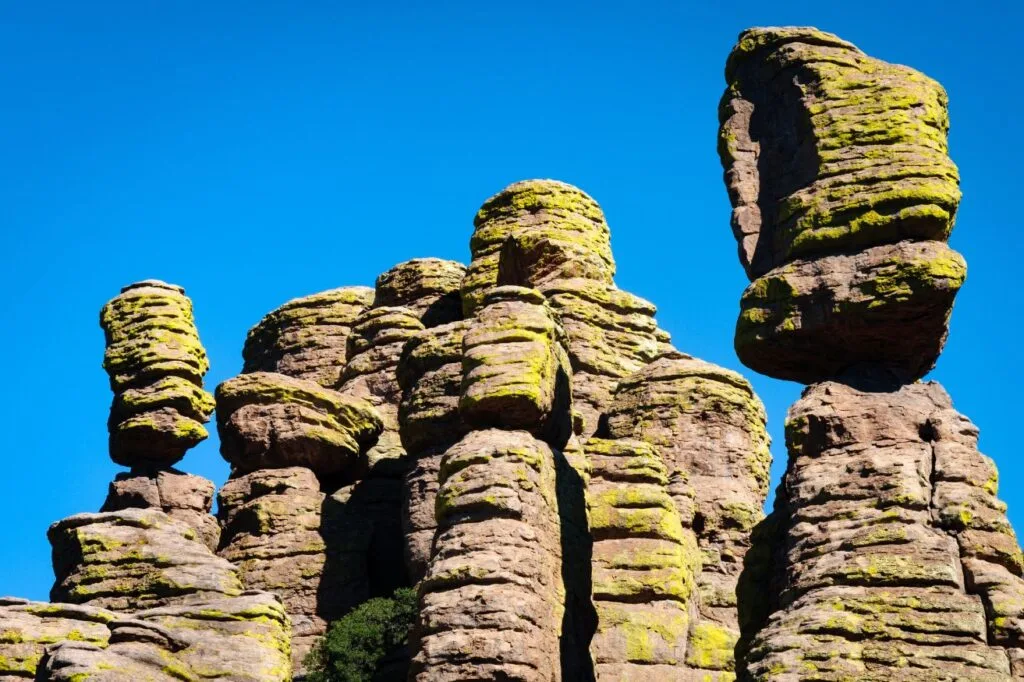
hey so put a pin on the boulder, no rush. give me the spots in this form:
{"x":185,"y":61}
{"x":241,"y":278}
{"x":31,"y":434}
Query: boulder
{"x":183,"y":497}
{"x":428,"y":286}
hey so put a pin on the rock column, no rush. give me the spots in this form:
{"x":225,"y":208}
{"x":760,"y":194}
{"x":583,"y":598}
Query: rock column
{"x":888,"y":555}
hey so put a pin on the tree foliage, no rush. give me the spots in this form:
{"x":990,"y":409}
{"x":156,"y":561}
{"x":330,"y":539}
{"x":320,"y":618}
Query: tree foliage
{"x":356,"y":643}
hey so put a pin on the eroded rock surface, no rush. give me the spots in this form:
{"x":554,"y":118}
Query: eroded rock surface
{"x":428,"y":286}
{"x":306,"y":337}
{"x":183,"y":497}
{"x":156,"y":365}
{"x":894,"y":558}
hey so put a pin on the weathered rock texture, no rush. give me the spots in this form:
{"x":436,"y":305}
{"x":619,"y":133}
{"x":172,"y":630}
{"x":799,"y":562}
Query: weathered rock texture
{"x":183,"y":497}
{"x":709,"y":428}
{"x":894,"y":558}
{"x":428,"y":286}
{"x":888,"y":555}
{"x":835,"y":163}
{"x":306,"y":337}
{"x":644,"y":563}
{"x":268,"y":420}
{"x":144,"y":599}
{"x":156,"y":366}
{"x":492,"y":599}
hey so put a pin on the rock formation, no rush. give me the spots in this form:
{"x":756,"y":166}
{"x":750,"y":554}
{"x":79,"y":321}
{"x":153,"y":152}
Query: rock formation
{"x":888,"y":555}
{"x":574,"y":498}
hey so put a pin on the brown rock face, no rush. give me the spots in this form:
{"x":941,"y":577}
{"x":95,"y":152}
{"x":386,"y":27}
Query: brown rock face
{"x":156,"y":366}
{"x":843,"y":194}
{"x":268,"y":420}
{"x":515,"y":371}
{"x":887,"y":306}
{"x":430,"y":374}
{"x":894,"y":558}
{"x":826,"y":149}
{"x":560,"y":231}
{"x":428,"y":286}
{"x":492,"y":599}
{"x":709,"y":428}
{"x":272,"y":533}
{"x":306,"y":337}
{"x":183,"y":497}
{"x":644,"y":564}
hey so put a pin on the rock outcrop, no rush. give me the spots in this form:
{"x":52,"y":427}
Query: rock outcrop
{"x":156,"y":366}
{"x":888,"y":555}
{"x":428,"y":286}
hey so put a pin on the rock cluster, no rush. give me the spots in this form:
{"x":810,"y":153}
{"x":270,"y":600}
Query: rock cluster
{"x":573,"y":498}
{"x":834,"y":161}
{"x":888,"y":555}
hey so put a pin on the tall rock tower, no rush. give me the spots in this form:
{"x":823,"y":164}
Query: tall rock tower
{"x":888,"y":555}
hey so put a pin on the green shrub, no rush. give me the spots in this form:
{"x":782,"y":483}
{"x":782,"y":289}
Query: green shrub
{"x":354,"y":644}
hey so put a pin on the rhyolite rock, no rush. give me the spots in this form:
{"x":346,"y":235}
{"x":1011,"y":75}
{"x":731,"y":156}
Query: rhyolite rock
{"x":134,"y":559}
{"x":561,"y":232}
{"x":27,"y":628}
{"x":430,"y":374}
{"x":237,"y":639}
{"x":709,"y":428}
{"x":306,"y":337}
{"x":491,"y":602}
{"x":272,"y":533}
{"x":885,"y":306}
{"x":428,"y":286}
{"x":828,"y":150}
{"x":268,"y":420}
{"x":156,"y":365}
{"x":515,"y":371}
{"x":181,"y":496}
{"x":644,"y":564}
{"x":888,"y":555}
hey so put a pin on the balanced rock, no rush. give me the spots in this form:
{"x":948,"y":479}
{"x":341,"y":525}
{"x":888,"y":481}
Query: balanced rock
{"x":893,"y":557}
{"x":516,"y":373}
{"x":430,"y":374}
{"x":156,"y":365}
{"x":492,"y":599}
{"x":428,"y":286}
{"x":268,"y":420}
{"x":306,"y":337}
{"x":887,"y":306}
{"x":560,"y":231}
{"x":843,"y":193}
{"x":644,"y":564}
{"x":183,"y":497}
{"x":272,"y":533}
{"x":709,"y":428}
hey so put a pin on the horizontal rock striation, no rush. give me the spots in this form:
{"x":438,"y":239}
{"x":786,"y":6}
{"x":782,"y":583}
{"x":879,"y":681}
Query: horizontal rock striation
{"x":430,"y":374}
{"x":272,"y":534}
{"x":827,"y":150}
{"x":889,"y":540}
{"x":268,"y":420}
{"x":28,"y":628}
{"x":887,"y":306}
{"x":306,"y":337}
{"x":428,"y":286}
{"x":644,"y":564}
{"x":492,"y":600}
{"x":156,"y":365}
{"x":709,"y":428}
{"x":560,"y":232}
{"x":182,"y":497}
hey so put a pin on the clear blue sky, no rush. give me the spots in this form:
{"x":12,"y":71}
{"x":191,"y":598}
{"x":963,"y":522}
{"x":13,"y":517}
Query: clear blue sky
{"x":258,"y":151}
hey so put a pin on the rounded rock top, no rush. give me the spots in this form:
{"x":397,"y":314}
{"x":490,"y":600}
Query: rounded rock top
{"x":153,"y":284}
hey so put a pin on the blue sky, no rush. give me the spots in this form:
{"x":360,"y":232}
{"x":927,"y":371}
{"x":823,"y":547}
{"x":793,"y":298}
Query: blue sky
{"x":254,"y":152}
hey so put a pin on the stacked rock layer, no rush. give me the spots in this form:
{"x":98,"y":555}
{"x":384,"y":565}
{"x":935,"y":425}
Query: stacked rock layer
{"x":888,"y":555}
{"x":843,"y":195}
{"x":156,"y":366}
